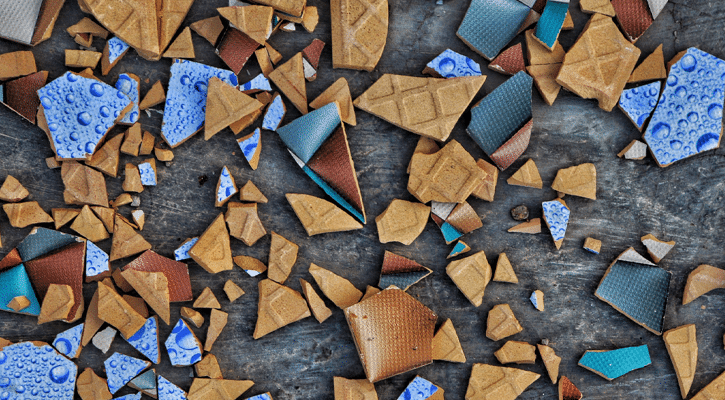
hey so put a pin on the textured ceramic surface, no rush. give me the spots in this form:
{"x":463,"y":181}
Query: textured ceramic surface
{"x":273,"y":116}
{"x":332,"y":193}
{"x":258,"y":83}
{"x":28,"y":372}
{"x":146,"y":340}
{"x":615,"y":363}
{"x":307,"y":133}
{"x":129,"y":86}
{"x":145,"y":382}
{"x":79,"y":112}
{"x":183,"y":347}
{"x":557,"y":217}
{"x":459,"y":248}
{"x":550,"y":22}
{"x":419,"y":389}
{"x":43,"y":240}
{"x":15,"y":282}
{"x":688,"y":118}
{"x":68,"y":342}
{"x":226,"y":186}
{"x":18,"y":19}
{"x":96,"y":260}
{"x":169,"y":391}
{"x":450,"y":64}
{"x":148,"y":174}
{"x":185,"y":109}
{"x":638,"y":103}
{"x":120,"y":369}
{"x":450,"y":233}
{"x":182,"y":253}
{"x":116,"y":48}
{"x":250,"y":147}
{"x":489,"y":25}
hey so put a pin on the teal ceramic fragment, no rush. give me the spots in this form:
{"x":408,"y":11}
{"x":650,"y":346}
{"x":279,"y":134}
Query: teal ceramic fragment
{"x":615,"y":363}
{"x":489,"y":25}
{"x":450,"y":233}
{"x":459,"y":248}
{"x":550,"y":22}
{"x":15,"y":282}
{"x":307,"y":133}
{"x":43,"y":240}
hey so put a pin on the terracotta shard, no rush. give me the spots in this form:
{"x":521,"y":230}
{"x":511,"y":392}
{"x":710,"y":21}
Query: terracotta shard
{"x":509,"y":61}
{"x":701,"y":280}
{"x":464,"y":218}
{"x":471,"y":274}
{"x":137,"y":304}
{"x":153,"y":287}
{"x":359,"y":33}
{"x":235,"y":49}
{"x":22,"y":97}
{"x":402,"y":221}
{"x":192,"y":316}
{"x":16,"y":64}
{"x":83,"y":185}
{"x":401,"y":272}
{"x":278,"y":306}
{"x":354,"y":389}
{"x":84,"y":39}
{"x":207,"y":300}
{"x":487,"y":189}
{"x":633,"y":16}
{"x":218,"y":389}
{"x":25,"y":214}
{"x":527,"y":175}
{"x":232,"y":290}
{"x":425,"y":106}
{"x":92,"y":387}
{"x":681,"y":343}
{"x":516,"y":352}
{"x":501,"y":383}
{"x":538,"y":54}
{"x":652,"y":68}
{"x":317,"y":305}
{"x":340,"y":93}
{"x":282,"y":257}
{"x":134,"y":22}
{"x":89,"y":226}
{"x":502,"y":323}
{"x":320,"y":216}
{"x":250,"y":265}
{"x":217,"y":322}
{"x":213,"y":250}
{"x":579,"y":180}
{"x":126,"y":241}
{"x":312,"y":53}
{"x":656,"y":248}
{"x":209,"y":28}
{"x":86,"y":25}
{"x":545,"y":80}
{"x":513,"y":148}
{"x":290,"y":79}
{"x":335,"y":287}
{"x":568,"y":391}
{"x":177,"y":273}
{"x":597,"y":6}
{"x":255,"y":21}
{"x":208,"y":367}
{"x":112,"y":308}
{"x":504,"y":270}
{"x":551,"y":361}
{"x":57,"y":304}
{"x":250,"y":192}
{"x":226,"y":105}
{"x":446,"y":345}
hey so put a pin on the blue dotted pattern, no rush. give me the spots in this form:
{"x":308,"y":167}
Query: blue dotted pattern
{"x":169,"y":391}
{"x":273,"y":116}
{"x":307,"y":133}
{"x":616,"y":363}
{"x":264,"y":396}
{"x":129,"y":87}
{"x":183,"y":347}
{"x":638,"y":103}
{"x":688,"y":118}
{"x":249,"y":147}
{"x":15,"y":282}
{"x":556,"y":216}
{"x":226,"y":186}
{"x":120,"y":369}
{"x":450,"y":64}
{"x":419,"y":389}
{"x":258,"y":83}
{"x":489,"y":25}
{"x":29,"y":372}
{"x":116,"y":48}
{"x":551,"y":21}
{"x":185,"y":109}
{"x":182,"y":253}
{"x":69,"y":341}
{"x":148,"y":175}
{"x":80,"y":111}
{"x":43,"y":240}
{"x":96,"y":260}
{"x":146,"y":340}
{"x":136,"y":396}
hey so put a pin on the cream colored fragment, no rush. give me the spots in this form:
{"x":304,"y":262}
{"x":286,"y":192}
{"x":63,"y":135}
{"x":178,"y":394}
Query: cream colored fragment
{"x":317,"y":305}
{"x":207,"y":300}
{"x":579,"y":180}
{"x":701,"y":280}
{"x":63,"y":216}
{"x":471,"y":275}
{"x":25,"y":214}
{"x":516,"y":352}
{"x":208,"y":367}
{"x":531,"y":227}
{"x":217,"y":389}
{"x":192,"y":316}
{"x":282,"y":257}
{"x":681,"y":343}
{"x":504,"y":270}
{"x":446,"y":345}
{"x":402,"y":221}
{"x":551,"y":361}
{"x":18,"y":303}
{"x":656,"y":248}
{"x":153,"y":287}
{"x":12,"y":190}
{"x":57,"y":304}
{"x":320,"y":216}
{"x":527,"y":175}
{"x":502,"y":323}
{"x":232,"y":290}
{"x":354,"y":389}
{"x":217,"y":322}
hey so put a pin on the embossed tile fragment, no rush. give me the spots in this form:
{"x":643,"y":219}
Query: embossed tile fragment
{"x":24,"y":214}
{"x":244,"y":223}
{"x":516,"y":352}
{"x":701,"y":280}
{"x":354,"y":389}
{"x":208,"y":367}
{"x":501,"y":383}
{"x":579,"y":180}
{"x":112,"y":308}
{"x":218,"y":389}
{"x":652,"y":68}
{"x":615,"y":363}
{"x":501,"y":323}
{"x":714,"y":389}
{"x":597,"y":6}
{"x":278,"y":306}
{"x":126,"y":241}
{"x":315,"y":302}
{"x":681,"y":343}
{"x":213,"y":250}
{"x":217,"y":322}
{"x":153,"y":287}
{"x":402,"y":221}
{"x":92,"y":387}
{"x":338,"y":92}
{"x":207,"y":299}
{"x":489,"y":25}
{"x":120,"y":369}
{"x":17,"y":64}
{"x":320,"y":216}
{"x":487,"y":189}
{"x":471,"y":274}
{"x":358,"y":42}
{"x":282,"y":257}
{"x":183,"y":347}
{"x":290,"y":79}
{"x":57,"y":304}
{"x":255,"y":21}
{"x":53,"y":374}
{"x":177,"y":273}
{"x":338,"y":289}
{"x":250,"y":192}
{"x":182,"y":47}
{"x":224,"y":106}
{"x":551,"y":361}
{"x":446,"y":345}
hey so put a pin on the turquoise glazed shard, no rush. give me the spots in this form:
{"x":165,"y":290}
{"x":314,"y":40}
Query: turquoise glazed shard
{"x":688,"y":118}
{"x":556,"y":215}
{"x":169,"y":391}
{"x":116,"y":48}
{"x":450,"y":233}
{"x":148,"y":174}
{"x":183,"y":347}
{"x":615,"y":363}
{"x":250,"y":147}
{"x":182,"y":253}
{"x":146,"y":340}
{"x":130,"y":87}
{"x":31,"y":372}
{"x":136,"y":396}
{"x":146,"y":383}
{"x":96,"y":261}
{"x":275,"y":113}
{"x":418,"y":389}
{"x":307,"y":133}
{"x":68,"y":342}
{"x":489,"y":25}
{"x":459,"y":248}
{"x":259,"y":83}
{"x":497,"y":117}
{"x":15,"y":282}
{"x":43,"y":240}
{"x":638,"y":103}
{"x":120,"y":369}
{"x":226,"y":188}
{"x":185,"y":109}
{"x":550,"y":22}
{"x":450,"y":64}
{"x":79,"y":112}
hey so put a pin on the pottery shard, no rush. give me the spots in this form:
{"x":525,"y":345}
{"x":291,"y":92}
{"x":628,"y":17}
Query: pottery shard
{"x":112,"y":308}
{"x":106,"y":159}
{"x":86,"y":25}
{"x":250,"y":264}
{"x":16,"y":64}
{"x":516,"y":352}
{"x":317,"y":305}
{"x":207,"y":300}
{"x":232,"y":290}
{"x":92,"y":387}
{"x":702,"y":280}
{"x":446,"y":345}
{"x":18,"y":303}
{"x":278,"y":306}
{"x":359,"y":33}
{"x":135,"y":22}
{"x":126,"y":241}
{"x":62,"y":216}
{"x":471,"y":275}
{"x":652,"y":68}
{"x":250,"y":192}
{"x":579,"y":180}
{"x":539,"y":54}
{"x":182,"y":47}
{"x":600,"y":63}
{"x":92,"y":323}
{"x":244,"y":223}
{"x":500,"y":383}
{"x":402,"y":221}
{"x":715,"y":390}
{"x":192,"y":316}
{"x":531,"y":227}
{"x":551,"y":361}
{"x":597,"y":6}
{"x":83,"y":185}
{"x":208,"y":367}
{"x":82,"y":58}
{"x":447,"y":176}
{"x":290,"y":79}
{"x":340,"y":93}
{"x":218,"y":389}
{"x":209,"y":28}
{"x":217,"y":322}
{"x":656,"y":248}
{"x":255,"y":21}
{"x":213,"y":250}
{"x":336,"y":288}
{"x":57,"y":304}
{"x":502,"y":323}
{"x":354,"y":389}
{"x":226,"y":105}
{"x":320,"y":216}
{"x":12,"y":191}
{"x":25,"y":214}
{"x":568,"y":391}
{"x":681,"y":343}
{"x":504,"y":270}
{"x":137,"y":304}
{"x":282,"y":257}
{"x":545,"y":79}
{"x":527,"y":175}
{"x":153,"y":287}
{"x":89,"y":226}
{"x":487,"y":188}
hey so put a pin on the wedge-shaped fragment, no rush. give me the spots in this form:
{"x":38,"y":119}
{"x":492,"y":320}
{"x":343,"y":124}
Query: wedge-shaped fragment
{"x":681,"y":343}
{"x":338,"y":92}
{"x":21,"y":95}
{"x":336,"y":288}
{"x":510,"y":61}
{"x":217,"y":322}
{"x":460,"y":248}
{"x":218,"y":389}
{"x":89,"y":226}
{"x":113,"y":52}
{"x":401,"y":272}
{"x":354,"y":389}
{"x":290,"y":79}
{"x":57,"y":304}
{"x":359,"y":32}
{"x":250,"y":192}
{"x":182,"y":47}
{"x":232,"y":290}
{"x":551,"y":361}
{"x":244,"y":223}
{"x":154,"y":96}
{"x":209,"y":28}
{"x":501,"y":383}
{"x":177,"y":273}
{"x":62,"y":216}
{"x":568,"y":391}
{"x":556,"y":215}
{"x":402,"y":221}
{"x":615,"y":363}
{"x":275,"y":114}
{"x":25,"y":214}
{"x":282,"y":257}
{"x":656,"y":248}
{"x":235,"y":48}
{"x":251,"y":146}
{"x":68,"y":342}
{"x":652,"y":68}
{"x":112,"y":308}
{"x":208,"y":367}
{"x":207,"y":299}
{"x":504,"y":270}
{"x":250,"y":265}
{"x":213,"y":250}
{"x":320,"y":216}
{"x":255,"y":21}
{"x":317,"y":305}
{"x":192,"y":316}
{"x":446,"y":345}
{"x":126,"y":241}
{"x":226,"y":105}
{"x":106,"y":159}
{"x":701,"y":280}
{"x":471,"y":274}
{"x":306,"y":134}
{"x":146,"y":340}
{"x":633,"y":16}
{"x":153,"y":287}
{"x":714,"y":390}
{"x":501,"y":323}
{"x":278,"y":306}
{"x":183,"y":347}
{"x":225,"y":187}
{"x":83,"y":185}
{"x":121,"y":369}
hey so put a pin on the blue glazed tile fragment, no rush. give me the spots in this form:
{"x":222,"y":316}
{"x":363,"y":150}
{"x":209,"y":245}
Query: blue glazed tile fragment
{"x":450,"y":64}
{"x":2,"y":94}
{"x":264,"y":396}
{"x":275,"y":113}
{"x":130,"y":87}
{"x":68,"y":342}
{"x":550,"y":22}
{"x":688,"y":117}
{"x":638,"y":103}
{"x":182,"y":253}
{"x":418,"y":389}
{"x":185,"y":109}
{"x":120,"y":369}
{"x":307,"y":133}
{"x":615,"y":363}
{"x":116,"y":48}
{"x":15,"y":282}
{"x":146,"y":340}
{"x":249,"y":147}
{"x":29,"y":372}
{"x":556,"y":215}
{"x":146,"y":383}
{"x":489,"y":25}
{"x":183,"y":347}
{"x":498,"y":116}
{"x":258,"y":83}
{"x":169,"y":391}
{"x":136,"y":396}
{"x":459,"y":248}
{"x":96,"y":260}
{"x":43,"y":240}
{"x":79,"y":112}
{"x":226,"y":188}
{"x":148,"y":174}
{"x":450,"y":233}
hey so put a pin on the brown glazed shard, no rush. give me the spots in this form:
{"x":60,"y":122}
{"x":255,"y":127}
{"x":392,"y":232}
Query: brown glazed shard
{"x":21,"y":94}
{"x":177,"y":273}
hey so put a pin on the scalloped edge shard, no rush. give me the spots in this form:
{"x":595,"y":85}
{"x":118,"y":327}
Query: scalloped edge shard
{"x":97,"y":264}
{"x":639,"y":102}
{"x":615,"y":363}
{"x":168,"y":391}
{"x":182,"y":252}
{"x":450,"y":64}
{"x":305,"y":135}
{"x":187,"y":90}
{"x":489,"y":25}
{"x":16,"y":282}
{"x":129,"y":85}
{"x":146,"y":340}
{"x":121,"y":369}
{"x":51,"y":371}
{"x":105,"y":106}
{"x":668,"y":137}
{"x":556,"y":221}
{"x":418,"y":389}
{"x":68,"y":342}
{"x":183,"y":356}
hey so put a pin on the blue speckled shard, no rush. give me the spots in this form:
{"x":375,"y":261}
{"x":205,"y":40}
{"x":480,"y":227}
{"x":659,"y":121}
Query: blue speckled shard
{"x":183,"y":347}
{"x":556,"y":216}
{"x":450,"y":64}
{"x":120,"y":369}
{"x":489,"y":25}
{"x":615,"y":363}
{"x":638,"y":291}
{"x":169,"y":391}
{"x":638,"y":103}
{"x":29,"y":372}
{"x":146,"y":340}
{"x":258,"y":83}
{"x":15,"y":282}
{"x":264,"y":396}
{"x":43,"y":240}
{"x":182,"y":253}
{"x":96,"y":260}
{"x":136,"y":396}
{"x":249,"y":147}
{"x":68,"y":342}
{"x":307,"y":133}
{"x":148,"y":174}
{"x":688,"y":118}
{"x":550,"y":22}
{"x":450,"y":233}
{"x":418,"y":389}
{"x":80,"y":111}
{"x":130,"y":87}
{"x":275,"y":113}
{"x":116,"y":48}
{"x":497,"y":117}
{"x":226,"y":188}
{"x":185,"y":109}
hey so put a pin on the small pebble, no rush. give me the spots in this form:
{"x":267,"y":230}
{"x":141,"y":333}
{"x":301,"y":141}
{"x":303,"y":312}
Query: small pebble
{"x":520,"y":213}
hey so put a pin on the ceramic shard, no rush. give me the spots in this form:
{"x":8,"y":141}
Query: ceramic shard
{"x":401,"y":272}
{"x":358,"y":43}
{"x":652,"y":68}
{"x":551,"y":361}
{"x":489,"y":25}
{"x":502,"y":323}
{"x":510,"y":61}
{"x":701,"y":280}
{"x":638,"y":103}
{"x":402,"y":221}
{"x":471,"y":274}
{"x":320,"y":216}
{"x":446,"y":345}
{"x":278,"y":306}
{"x":488,"y":381}
{"x":615,"y":363}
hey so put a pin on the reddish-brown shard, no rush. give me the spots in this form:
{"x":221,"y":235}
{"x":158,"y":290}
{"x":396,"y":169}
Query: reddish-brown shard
{"x":633,"y":16}
{"x":235,"y":49}
{"x":401,"y":271}
{"x":567,"y":390}
{"x":22,"y":97}
{"x":510,"y":151}
{"x":10,"y":260}
{"x":510,"y":61}
{"x":177,"y":273}
{"x":313,"y":51}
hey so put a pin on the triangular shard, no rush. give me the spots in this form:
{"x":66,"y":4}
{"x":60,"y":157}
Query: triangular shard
{"x":258,"y":84}
{"x":450,"y":64}
{"x":597,"y":6}
{"x":106,"y":159}
{"x":121,"y":369}
{"x":489,"y":382}
{"x":137,"y":25}
{"x":358,"y":43}
{"x":113,"y":52}
{"x":713,"y":390}
{"x":250,"y":192}
{"x":217,"y":322}
{"x":171,"y":13}
{"x":464,"y":218}
{"x":183,"y":347}
{"x":701,"y":280}
{"x":556,"y":215}
{"x":320,"y":216}
{"x":112,"y":308}
{"x":510,"y":151}
{"x":232,"y":290}
{"x":209,"y":29}
{"x":290,"y":79}
{"x":225,"y":187}
{"x":265,"y":64}
{"x":89,"y":226}
{"x":146,"y":383}
{"x":551,"y":361}
{"x":568,"y":22}
{"x":317,"y":305}
{"x":306,"y":134}
{"x":423,"y":389}
{"x":338,"y":92}
{"x":652,"y":68}
{"x":349,"y":389}
{"x":68,"y":342}
{"x":21,"y":94}
{"x":92,"y":322}
{"x":153,"y":287}
{"x":633,"y":16}
{"x":487,"y":189}
{"x":251,"y":146}
{"x":146,"y":340}
{"x":250,"y":265}
{"x":213,"y":249}
{"x":107,"y":216}
{"x":275,"y":114}
{"x":527,"y":175}
{"x":167,"y":390}
{"x":639,"y":103}
{"x":567,"y":390}
{"x":312,"y":53}
{"x":153,"y":97}
{"x":86,"y":25}
{"x":656,"y":248}
{"x":502,"y":323}
{"x":218,"y":389}
{"x":278,"y":306}
{"x":485,"y":31}
{"x":401,"y":272}
{"x":129,"y":84}
{"x":460,"y":248}
{"x":531,"y":18}
{"x":504,"y":270}
{"x":615,"y":363}
{"x":446,"y":345}
{"x":255,"y":21}
{"x":62,"y":216}
{"x":681,"y":343}
{"x":226,"y":105}
{"x":579,"y":180}
{"x":182,"y":47}
{"x":282,"y":257}
{"x":177,"y":273}
{"x":419,"y":102}
{"x":550,"y":23}
{"x":338,"y":289}
{"x":126,"y":241}
{"x":208,"y":367}
{"x":17,"y":283}
{"x":545,"y":79}
{"x":471,"y":275}
{"x":510,"y":61}
{"x":631,"y":255}
{"x":235,"y":49}
{"x":207,"y":300}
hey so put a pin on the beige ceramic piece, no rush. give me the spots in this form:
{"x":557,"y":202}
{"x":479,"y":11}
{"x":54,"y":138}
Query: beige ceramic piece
{"x":471,"y":274}
{"x":489,"y":382}
{"x":502,"y":323}
{"x":681,"y":343}
{"x":278,"y":306}
{"x":336,"y":288}
{"x":551,"y":361}
{"x":402,"y":221}
{"x":213,"y":250}
{"x":516,"y":352}
{"x":282,"y":257}
{"x":527,"y":175}
{"x":446,"y":345}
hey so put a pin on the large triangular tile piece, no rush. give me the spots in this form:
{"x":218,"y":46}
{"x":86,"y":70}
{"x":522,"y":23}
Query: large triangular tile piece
{"x":425,"y":106}
{"x":43,"y":240}
{"x":290,"y":79}
{"x":226,"y":105}
{"x":681,"y":343}
{"x":320,"y":216}
{"x":446,"y":345}
{"x":182,"y":47}
{"x":255,"y":21}
{"x":652,"y":68}
{"x":401,"y":272}
{"x":306,"y":134}
{"x":209,"y":28}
